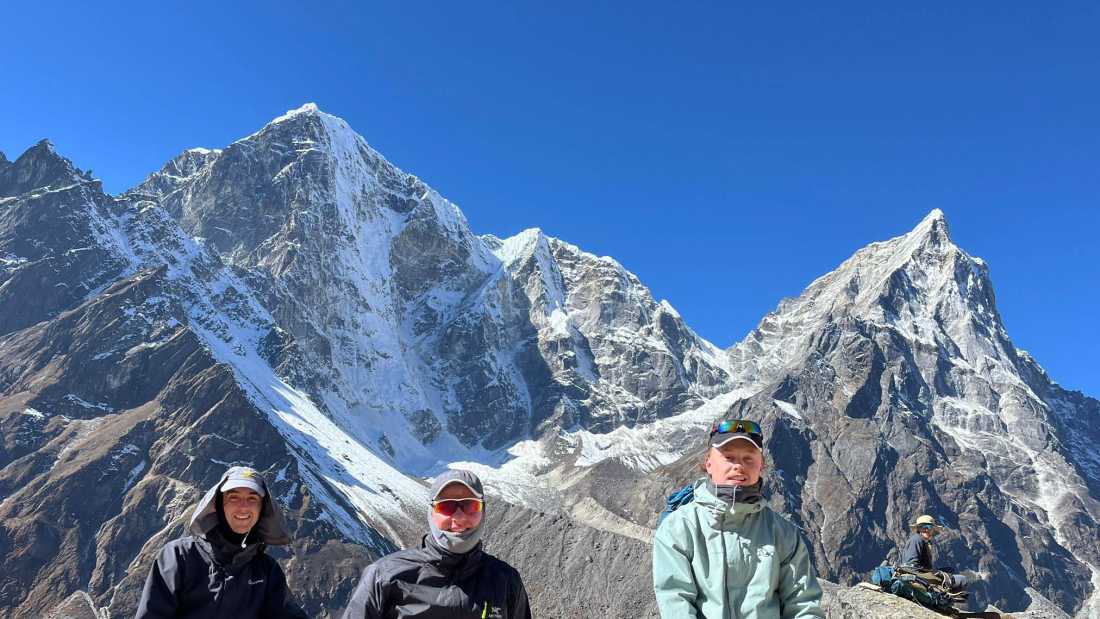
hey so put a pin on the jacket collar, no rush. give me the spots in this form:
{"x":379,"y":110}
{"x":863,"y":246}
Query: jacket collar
{"x":457,"y":564}
{"x":723,"y":513}
{"x":228,"y":554}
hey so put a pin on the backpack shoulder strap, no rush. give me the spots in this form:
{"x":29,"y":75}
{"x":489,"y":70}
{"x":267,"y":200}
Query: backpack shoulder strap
{"x":677,"y":499}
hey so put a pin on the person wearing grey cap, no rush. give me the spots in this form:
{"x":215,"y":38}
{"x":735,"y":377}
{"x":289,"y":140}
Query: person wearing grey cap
{"x":726,"y":553}
{"x":220,"y":570}
{"x":449,"y":576}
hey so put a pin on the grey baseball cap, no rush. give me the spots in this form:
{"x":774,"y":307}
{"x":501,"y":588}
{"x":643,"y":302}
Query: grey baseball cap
{"x":457,"y":476}
{"x":244,"y":477}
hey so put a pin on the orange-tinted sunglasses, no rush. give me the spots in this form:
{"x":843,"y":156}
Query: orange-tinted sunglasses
{"x":447,"y":507}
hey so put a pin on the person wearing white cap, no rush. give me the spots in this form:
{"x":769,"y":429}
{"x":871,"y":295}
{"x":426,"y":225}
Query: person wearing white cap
{"x":917,"y":555}
{"x":220,"y":570}
{"x":449,"y":576}
{"x":726,"y":554}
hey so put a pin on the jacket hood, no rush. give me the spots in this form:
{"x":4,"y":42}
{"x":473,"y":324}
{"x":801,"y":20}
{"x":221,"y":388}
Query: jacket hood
{"x":271,"y":528}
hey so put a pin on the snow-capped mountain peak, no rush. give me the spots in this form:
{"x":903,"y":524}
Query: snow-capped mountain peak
{"x":306,"y":108}
{"x":919,"y":284}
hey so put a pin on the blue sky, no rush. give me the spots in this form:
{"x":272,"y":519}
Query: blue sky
{"x":727,"y":153}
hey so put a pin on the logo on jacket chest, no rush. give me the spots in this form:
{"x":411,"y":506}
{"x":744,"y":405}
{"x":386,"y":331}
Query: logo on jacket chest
{"x":492,"y":612}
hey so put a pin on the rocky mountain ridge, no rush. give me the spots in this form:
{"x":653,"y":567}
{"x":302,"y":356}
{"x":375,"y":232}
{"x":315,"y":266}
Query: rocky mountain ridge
{"x":295,"y":301}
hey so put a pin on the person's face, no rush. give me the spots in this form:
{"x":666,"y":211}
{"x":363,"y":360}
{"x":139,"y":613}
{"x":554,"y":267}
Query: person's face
{"x":242,"y":509}
{"x":458,"y":521}
{"x":737,"y":463}
{"x":927,"y":533}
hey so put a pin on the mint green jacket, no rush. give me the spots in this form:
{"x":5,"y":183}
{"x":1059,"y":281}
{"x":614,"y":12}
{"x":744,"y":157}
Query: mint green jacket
{"x":712,"y":560}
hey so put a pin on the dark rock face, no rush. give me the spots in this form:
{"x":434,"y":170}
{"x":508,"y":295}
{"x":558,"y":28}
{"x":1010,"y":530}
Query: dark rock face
{"x":571,"y":570}
{"x":88,"y":487}
{"x":615,"y":355}
{"x":40,"y":168}
{"x":52,"y":252}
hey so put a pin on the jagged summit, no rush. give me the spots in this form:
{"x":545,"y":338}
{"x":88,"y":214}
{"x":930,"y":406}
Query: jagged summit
{"x":518,"y":246}
{"x":296,"y":161}
{"x":39,"y":167}
{"x":311,"y":123}
{"x":920,"y":284}
{"x":299,"y":131}
{"x":882,"y":276}
{"x":306,"y":109}
{"x":934,"y":216}
{"x":177,"y":171}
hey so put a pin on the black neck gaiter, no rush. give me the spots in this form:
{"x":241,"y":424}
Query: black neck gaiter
{"x":737,"y":494}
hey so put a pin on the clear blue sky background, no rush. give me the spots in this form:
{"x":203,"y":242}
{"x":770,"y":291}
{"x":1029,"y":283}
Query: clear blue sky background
{"x":725,"y":152}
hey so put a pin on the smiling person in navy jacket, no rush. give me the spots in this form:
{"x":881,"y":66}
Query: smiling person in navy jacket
{"x":220,"y":570}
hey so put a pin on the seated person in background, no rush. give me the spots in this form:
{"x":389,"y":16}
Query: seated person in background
{"x":917,"y":555}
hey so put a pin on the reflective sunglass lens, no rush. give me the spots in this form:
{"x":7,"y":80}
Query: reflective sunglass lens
{"x":736,"y":425}
{"x":447,"y":507}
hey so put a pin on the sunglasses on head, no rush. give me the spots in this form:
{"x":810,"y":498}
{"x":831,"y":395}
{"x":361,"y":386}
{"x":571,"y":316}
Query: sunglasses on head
{"x":447,"y":507}
{"x":735,"y":425}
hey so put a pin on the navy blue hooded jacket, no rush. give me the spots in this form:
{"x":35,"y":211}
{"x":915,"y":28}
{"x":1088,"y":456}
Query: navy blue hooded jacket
{"x":208,"y":576}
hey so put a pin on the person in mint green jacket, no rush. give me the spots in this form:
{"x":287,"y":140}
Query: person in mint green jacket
{"x":726,"y":554}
